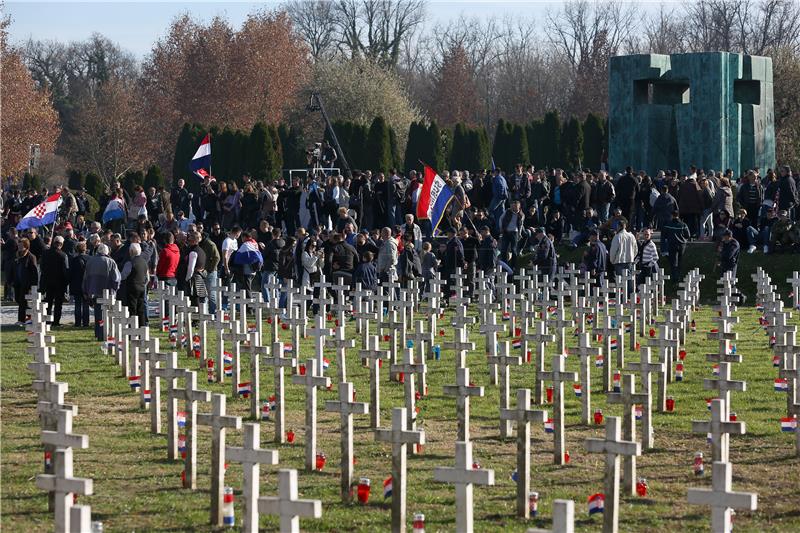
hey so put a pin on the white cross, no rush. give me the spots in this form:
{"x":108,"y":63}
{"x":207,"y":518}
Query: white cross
{"x":287,"y":505}
{"x":462,"y":390}
{"x":720,"y":427}
{"x":558,"y":376}
{"x":311,"y":381}
{"x":464,"y":476}
{"x":347,"y":408}
{"x":252,"y":456}
{"x":722,"y":499}
{"x":64,"y":485}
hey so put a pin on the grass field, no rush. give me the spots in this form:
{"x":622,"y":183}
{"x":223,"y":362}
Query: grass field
{"x":138,"y":489}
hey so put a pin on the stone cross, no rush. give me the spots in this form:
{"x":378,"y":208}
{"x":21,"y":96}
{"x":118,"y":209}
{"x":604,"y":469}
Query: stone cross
{"x":563,"y":518}
{"x":560,"y":324}
{"x":587,"y":354}
{"x":666,"y":343}
{"x":136,"y":335}
{"x":423,"y":350}
{"x":203,"y":318}
{"x":794,"y":281}
{"x":64,"y":485}
{"x":320,"y":331}
{"x":490,"y":328}
{"x":340,"y":343}
{"x":347,"y":408}
{"x":223,"y":328}
{"x":503,"y":361}
{"x":540,"y":338}
{"x":278,"y":361}
{"x":462,"y":390}
{"x":146,"y":352}
{"x":722,"y":499}
{"x":621,"y":318}
{"x":190,"y":394}
{"x":720,"y":428}
{"x":287,"y":505}
{"x":610,"y":330}
{"x":558,"y":376}
{"x":409,"y":368}
{"x":645,"y":368}
{"x":236,"y":335}
{"x":374,"y":355}
{"x":792,"y":376}
{"x":311,"y":381}
{"x":724,"y":385}
{"x":170,"y":371}
{"x":251,"y":456}
{"x":523,"y":416}
{"x":219,"y":421}
{"x":464,"y":476}
{"x":612,"y":446}
{"x":256,"y":352}
{"x":460,"y":346}
{"x":399,"y":436}
{"x":628,"y":398}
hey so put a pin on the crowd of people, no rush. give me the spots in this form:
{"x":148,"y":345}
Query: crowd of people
{"x":363,"y":228}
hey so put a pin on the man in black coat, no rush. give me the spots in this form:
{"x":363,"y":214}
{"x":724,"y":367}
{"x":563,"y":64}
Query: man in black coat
{"x":453,"y":258}
{"x":54,"y":278}
{"x":627,"y":186}
{"x":180,"y":198}
{"x":77,"y":268}
{"x":135,"y":276}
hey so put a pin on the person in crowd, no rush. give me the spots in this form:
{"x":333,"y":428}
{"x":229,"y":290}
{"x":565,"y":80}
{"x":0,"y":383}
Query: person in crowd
{"x":24,"y":276}
{"x":101,"y":275}
{"x":676,"y":234}
{"x":596,"y":257}
{"x":624,"y":250}
{"x":728,"y":254}
{"x":647,"y":257}
{"x":54,"y":278}
{"x":387,"y":256}
{"x":135,"y":276}
{"x":511,"y":224}
{"x":77,"y":270}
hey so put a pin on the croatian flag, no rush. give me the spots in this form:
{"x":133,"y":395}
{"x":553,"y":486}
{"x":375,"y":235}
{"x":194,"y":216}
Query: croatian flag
{"x":227,"y":358}
{"x":135,"y":382}
{"x":596,"y":503}
{"x":781,"y":385}
{"x":715,"y":370}
{"x":789,"y":424}
{"x":516,"y":344}
{"x":627,"y":328}
{"x":248,"y":253}
{"x":165,"y":324}
{"x":614,"y":344}
{"x":243,"y":389}
{"x":598,"y":361}
{"x":326,"y":364}
{"x":181,"y":419}
{"x":578,"y":390}
{"x":201,"y":162}
{"x":434,"y":197}
{"x":637,"y":412}
{"x":549,"y":426}
{"x":387,"y":487}
{"x":182,"y":444}
{"x":679,"y":372}
{"x":287,"y":347}
{"x":43,"y":214}
{"x":115,"y":210}
{"x":776,"y":361}
{"x":228,"y":370}
{"x":146,"y":395}
{"x":272,"y":403}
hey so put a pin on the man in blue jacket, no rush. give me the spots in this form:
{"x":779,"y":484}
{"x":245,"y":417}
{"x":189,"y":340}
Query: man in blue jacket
{"x":499,"y":196}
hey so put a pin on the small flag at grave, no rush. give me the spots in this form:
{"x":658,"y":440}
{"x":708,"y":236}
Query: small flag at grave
{"x":732,"y":350}
{"x":516,"y":344}
{"x":227,"y":358}
{"x":781,"y":385}
{"x":196,"y":346}
{"x":627,"y":328}
{"x":326,"y":364}
{"x":28,"y":320}
{"x":182,"y":445}
{"x":679,"y":372}
{"x":693,"y":326}
{"x":184,"y":341}
{"x":165,"y":324}
{"x":616,"y":380}
{"x":228,"y":370}
{"x":135,"y":382}
{"x":613,"y":344}
{"x":48,"y":459}
{"x":146,"y":395}
{"x":776,"y":361}
{"x":251,"y":328}
{"x":598,"y":360}
{"x":387,"y":487}
{"x":273,"y":403}
{"x":590,"y":319}
{"x":637,"y":412}
{"x":243,"y":389}
{"x":699,"y":467}
{"x":181,"y":419}
{"x":506,"y":315}
{"x":789,"y":424}
{"x":577,"y":389}
{"x":228,"y":516}
{"x":708,"y":403}
{"x":173,"y":330}
{"x":715,"y":369}
{"x":287,"y":347}
{"x":596,"y":503}
{"x":111,"y":342}
{"x":549,"y":426}
{"x":265,"y":411}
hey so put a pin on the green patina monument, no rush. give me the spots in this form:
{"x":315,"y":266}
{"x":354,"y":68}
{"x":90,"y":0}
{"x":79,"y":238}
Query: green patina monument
{"x":713,"y":110}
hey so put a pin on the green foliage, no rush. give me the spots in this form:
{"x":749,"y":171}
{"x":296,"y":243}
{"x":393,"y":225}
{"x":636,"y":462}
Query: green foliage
{"x":222,"y":154}
{"x":260,"y":153}
{"x":551,"y":140}
{"x":131,"y":179}
{"x":593,"y":134}
{"x":154,"y":178}
{"x":75,"y":180}
{"x":397,"y":161}
{"x":572,"y":144}
{"x":94,"y":185}
{"x":460,"y":151}
{"x":293,"y":146}
{"x":239,"y":159}
{"x":184,"y":150}
{"x":277,"y":152}
{"x":379,"y":146}
{"x":417,"y":136}
{"x":92,"y":207}
{"x":518,"y":146}
{"x":534,"y":131}
{"x":31,"y":181}
{"x":358,"y":146}
{"x":437,"y":148}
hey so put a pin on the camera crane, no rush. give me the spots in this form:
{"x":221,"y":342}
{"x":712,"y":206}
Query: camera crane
{"x":315,"y":104}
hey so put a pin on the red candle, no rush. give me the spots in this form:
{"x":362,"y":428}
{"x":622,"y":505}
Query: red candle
{"x":670,"y":404}
{"x":290,"y":436}
{"x":363,"y":490}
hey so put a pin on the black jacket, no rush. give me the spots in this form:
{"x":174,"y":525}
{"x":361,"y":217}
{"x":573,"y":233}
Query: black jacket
{"x":77,"y":268}
{"x":136,"y":281}
{"x":271,"y":253}
{"x":55,"y":270}
{"x":729,"y":255}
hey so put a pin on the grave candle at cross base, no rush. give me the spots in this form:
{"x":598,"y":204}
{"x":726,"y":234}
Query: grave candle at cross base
{"x":278,"y":361}
{"x":558,"y":376}
{"x":347,"y":408}
{"x":312,"y":381}
{"x":628,"y":398}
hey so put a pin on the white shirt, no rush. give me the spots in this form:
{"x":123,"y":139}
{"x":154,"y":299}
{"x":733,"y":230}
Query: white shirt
{"x":229,"y":245}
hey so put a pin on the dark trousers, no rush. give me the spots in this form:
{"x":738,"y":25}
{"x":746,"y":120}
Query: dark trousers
{"x":135,"y":304}
{"x":55,"y":300}
{"x":675,"y":260}
{"x":98,"y":319}
{"x":81,"y":311}
{"x":22,"y":303}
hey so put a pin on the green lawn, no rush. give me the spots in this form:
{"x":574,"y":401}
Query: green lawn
{"x":137,"y":488}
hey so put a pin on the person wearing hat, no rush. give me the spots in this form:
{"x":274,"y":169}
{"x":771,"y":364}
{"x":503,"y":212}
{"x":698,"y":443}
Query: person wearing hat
{"x":54,"y":277}
{"x":785,"y":233}
{"x":545,"y":257}
{"x":728,"y":253}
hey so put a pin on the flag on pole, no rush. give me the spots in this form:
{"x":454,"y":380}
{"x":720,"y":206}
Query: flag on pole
{"x":201,"y":162}
{"x":115,"y":210}
{"x":433,"y":198}
{"x":43,"y":214}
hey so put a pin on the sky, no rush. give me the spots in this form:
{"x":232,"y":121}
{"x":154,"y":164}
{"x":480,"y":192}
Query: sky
{"x":135,"y":26}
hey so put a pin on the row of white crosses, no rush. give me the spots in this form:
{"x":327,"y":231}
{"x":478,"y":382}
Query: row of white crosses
{"x":56,"y":416}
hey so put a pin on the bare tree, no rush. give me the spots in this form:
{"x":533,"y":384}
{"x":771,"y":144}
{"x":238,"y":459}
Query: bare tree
{"x":377,"y":29}
{"x":663,"y":32}
{"x":314,"y":21}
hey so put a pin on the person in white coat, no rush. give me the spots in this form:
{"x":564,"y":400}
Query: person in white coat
{"x":624,"y":250}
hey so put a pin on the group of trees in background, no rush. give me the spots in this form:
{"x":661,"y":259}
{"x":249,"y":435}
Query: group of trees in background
{"x":102,"y":111}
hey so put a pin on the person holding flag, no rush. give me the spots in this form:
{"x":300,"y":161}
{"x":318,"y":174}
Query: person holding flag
{"x":201,"y":161}
{"x":434,"y":197}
